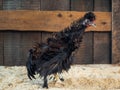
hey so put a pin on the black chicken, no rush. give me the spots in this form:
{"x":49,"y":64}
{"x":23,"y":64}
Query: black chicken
{"x":56,"y":55}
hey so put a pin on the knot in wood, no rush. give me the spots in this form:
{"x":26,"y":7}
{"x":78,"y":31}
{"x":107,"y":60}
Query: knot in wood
{"x":59,"y":15}
{"x":103,"y":23}
{"x":70,"y":15}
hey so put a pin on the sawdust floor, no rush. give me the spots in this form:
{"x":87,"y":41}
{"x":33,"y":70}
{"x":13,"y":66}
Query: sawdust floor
{"x":79,"y":77}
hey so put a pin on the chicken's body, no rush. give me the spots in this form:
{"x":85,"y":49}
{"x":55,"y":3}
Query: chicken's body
{"x":56,"y":55}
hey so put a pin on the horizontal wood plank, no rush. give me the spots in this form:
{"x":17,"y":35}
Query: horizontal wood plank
{"x":52,"y":21}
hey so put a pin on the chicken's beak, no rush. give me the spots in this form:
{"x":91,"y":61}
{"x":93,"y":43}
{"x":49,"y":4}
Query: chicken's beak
{"x":92,"y":24}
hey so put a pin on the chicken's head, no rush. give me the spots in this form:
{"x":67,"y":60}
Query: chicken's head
{"x":89,"y":19}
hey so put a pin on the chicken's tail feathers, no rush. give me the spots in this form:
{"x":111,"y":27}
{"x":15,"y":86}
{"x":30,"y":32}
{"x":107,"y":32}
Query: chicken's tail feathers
{"x":30,"y":66}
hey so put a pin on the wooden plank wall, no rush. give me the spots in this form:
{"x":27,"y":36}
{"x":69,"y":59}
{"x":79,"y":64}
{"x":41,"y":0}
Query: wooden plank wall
{"x":116,"y":32}
{"x":12,"y":47}
{"x":85,"y":52}
{"x":49,"y":21}
{"x":1,"y":39}
{"x":102,"y":41}
{"x":17,"y":44}
{"x":14,"y":44}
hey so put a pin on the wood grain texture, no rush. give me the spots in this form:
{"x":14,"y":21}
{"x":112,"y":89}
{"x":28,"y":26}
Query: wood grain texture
{"x":1,"y":39}
{"x":102,"y":5}
{"x":84,"y":54}
{"x":17,"y":44}
{"x":116,"y":31}
{"x":11,"y":39}
{"x":11,"y":4}
{"x":82,"y":5}
{"x":102,"y":41}
{"x":28,"y":39}
{"x":1,"y":48}
{"x":53,"y":5}
{"x":30,"y":4}
{"x":102,"y":48}
{"x":12,"y":48}
{"x":48,"y":5}
{"x":51,"y":21}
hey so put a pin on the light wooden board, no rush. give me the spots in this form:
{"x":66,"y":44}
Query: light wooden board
{"x":52,"y":21}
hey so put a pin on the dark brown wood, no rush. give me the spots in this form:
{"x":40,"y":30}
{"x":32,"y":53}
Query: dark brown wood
{"x":17,"y":45}
{"x":55,"y":5}
{"x":1,"y":39}
{"x":12,"y":48}
{"x":30,"y":4}
{"x":102,"y":48}
{"x":1,"y":4}
{"x":116,"y":31}
{"x":102,"y":41}
{"x":85,"y":52}
{"x":102,"y":5}
{"x":30,"y":20}
{"x":82,"y":5}
{"x":28,"y":39}
{"x":11,"y":4}
{"x":1,"y":48}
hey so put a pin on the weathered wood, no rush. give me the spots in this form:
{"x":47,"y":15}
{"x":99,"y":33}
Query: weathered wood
{"x":84,"y":54}
{"x":51,"y":5}
{"x":17,"y":44}
{"x":102,"y":5}
{"x":1,"y":40}
{"x":12,"y":48}
{"x":1,"y":48}
{"x":116,"y":31}
{"x":82,"y":5}
{"x":28,"y":39}
{"x":1,"y":4}
{"x":48,"y":20}
{"x":11,"y":4}
{"x":102,"y":48}
{"x":102,"y":41}
{"x":30,"y":4}
{"x":11,"y":39}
